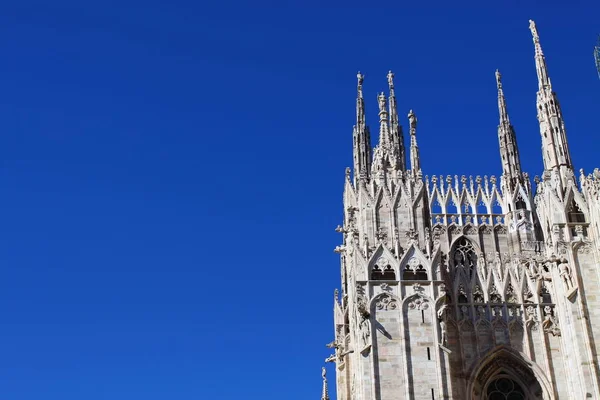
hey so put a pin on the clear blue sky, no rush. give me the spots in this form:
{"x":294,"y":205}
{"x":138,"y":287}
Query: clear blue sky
{"x":172,"y":174}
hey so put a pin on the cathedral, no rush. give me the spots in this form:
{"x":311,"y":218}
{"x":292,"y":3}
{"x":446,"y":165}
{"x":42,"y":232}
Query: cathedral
{"x":467,"y":287}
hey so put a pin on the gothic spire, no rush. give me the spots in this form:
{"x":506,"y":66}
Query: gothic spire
{"x":361,"y":137}
{"x":555,"y":149}
{"x":509,"y":151}
{"x":360,"y":103}
{"x":325,"y":393}
{"x":384,"y":132}
{"x":415,"y":161}
{"x":540,"y":60}
{"x":396,"y":129}
{"x":501,"y":100}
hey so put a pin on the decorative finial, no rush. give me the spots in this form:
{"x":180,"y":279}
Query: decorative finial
{"x":534,"y":32}
{"x":325,"y":393}
{"x":536,"y":37}
{"x":382,"y":103}
{"x":360,"y":78}
{"x":498,"y":79}
{"x":412,"y":119}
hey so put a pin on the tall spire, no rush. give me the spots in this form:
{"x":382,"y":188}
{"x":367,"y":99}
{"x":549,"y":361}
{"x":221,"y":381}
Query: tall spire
{"x":501,"y":100}
{"x":509,"y":151}
{"x":415,"y":161}
{"x":555,"y":149}
{"x":540,"y":60}
{"x":384,"y":132}
{"x":361,"y":137}
{"x":397,"y":134}
{"x":325,"y":393}
{"x":360,"y":102}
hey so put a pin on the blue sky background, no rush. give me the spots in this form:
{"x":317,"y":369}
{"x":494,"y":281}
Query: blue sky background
{"x":172,"y":174}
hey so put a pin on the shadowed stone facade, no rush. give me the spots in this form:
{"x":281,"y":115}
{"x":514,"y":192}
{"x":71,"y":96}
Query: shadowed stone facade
{"x":467,"y":287}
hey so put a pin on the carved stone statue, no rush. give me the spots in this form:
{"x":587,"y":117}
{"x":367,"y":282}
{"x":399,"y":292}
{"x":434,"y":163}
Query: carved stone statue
{"x":339,"y":354}
{"x":390,"y":77}
{"x":534,"y":269}
{"x":565,"y":273}
{"x":365,"y":331}
{"x":482,"y":264}
{"x":444,"y":332}
{"x":498,"y":264}
{"x":442,"y":318}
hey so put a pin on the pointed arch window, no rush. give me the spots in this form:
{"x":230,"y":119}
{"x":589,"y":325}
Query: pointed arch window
{"x":520,"y":204}
{"x":482,"y":208}
{"x":451,"y":208}
{"x":574,"y":213}
{"x":386,"y":273}
{"x":464,"y":255}
{"x":436,"y":207}
{"x":496,"y":208}
{"x":545,"y":296}
{"x":414,"y":271}
{"x":505,"y":389}
{"x":376,"y":273}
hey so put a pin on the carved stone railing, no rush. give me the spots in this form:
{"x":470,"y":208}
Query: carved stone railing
{"x":467,"y":218}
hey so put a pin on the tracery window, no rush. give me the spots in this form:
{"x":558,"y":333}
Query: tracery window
{"x":520,"y":204}
{"x":416,"y":273}
{"x":505,"y":389}
{"x":574,"y":213}
{"x":376,"y":273}
{"x":464,"y":255}
{"x":545,"y":296}
{"x":387,"y":274}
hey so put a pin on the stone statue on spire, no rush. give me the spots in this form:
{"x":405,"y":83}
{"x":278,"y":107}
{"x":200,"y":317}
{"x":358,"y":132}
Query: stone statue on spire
{"x":360,"y":78}
{"x":390,"y":78}
{"x":382,"y":103}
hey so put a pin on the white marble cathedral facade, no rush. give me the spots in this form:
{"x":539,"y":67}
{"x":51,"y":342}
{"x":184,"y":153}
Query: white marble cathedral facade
{"x":467,"y":288}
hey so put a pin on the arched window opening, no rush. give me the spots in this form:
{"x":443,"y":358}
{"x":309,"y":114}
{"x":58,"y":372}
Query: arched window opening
{"x":574,"y":214}
{"x":545,"y":295}
{"x":408,"y":274}
{"x":496,"y":208}
{"x":504,"y":389}
{"x":376,"y":274}
{"x":389,"y":274}
{"x":436,"y":208}
{"x":520,"y":204}
{"x":464,"y":255}
{"x":482,"y":208}
{"x":420,"y":273}
{"x":451,"y":208}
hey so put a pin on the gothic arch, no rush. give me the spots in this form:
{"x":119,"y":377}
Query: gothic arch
{"x":382,"y":258}
{"x":384,"y":302}
{"x":413,"y":258}
{"x":419,"y":300}
{"x":504,"y":362}
{"x":574,"y":197}
{"x":468,"y":252}
{"x":521,"y":195}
